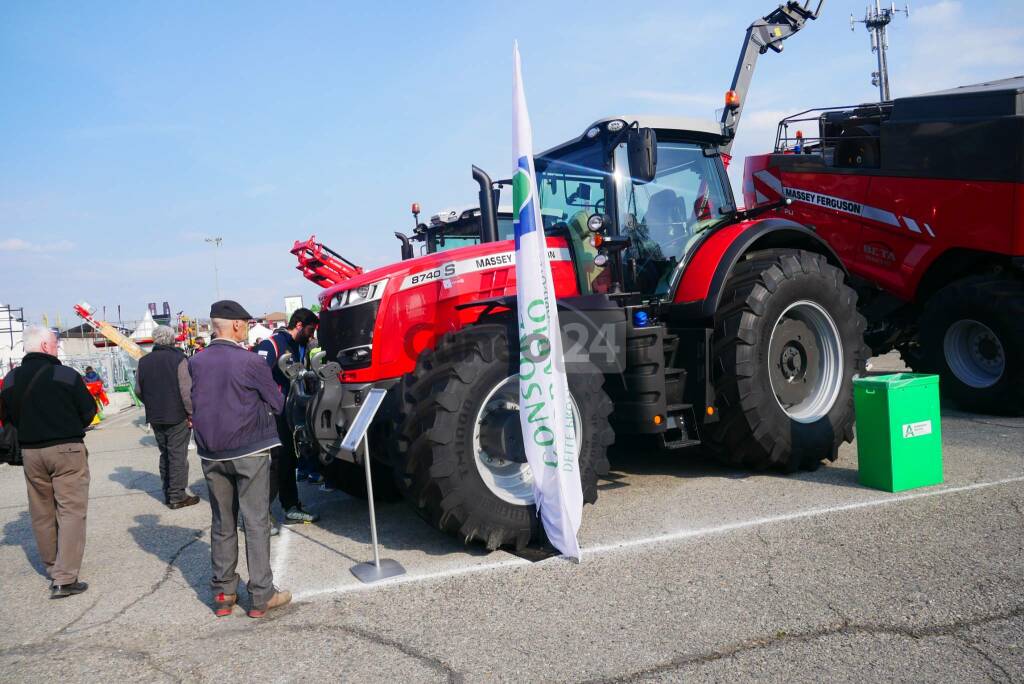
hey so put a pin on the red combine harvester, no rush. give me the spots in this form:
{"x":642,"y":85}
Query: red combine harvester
{"x":923,"y":200}
{"x":686,"y":322}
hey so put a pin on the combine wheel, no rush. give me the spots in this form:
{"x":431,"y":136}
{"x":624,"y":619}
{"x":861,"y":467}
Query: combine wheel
{"x":972,"y":335}
{"x":788,"y":342}
{"x":460,"y":452}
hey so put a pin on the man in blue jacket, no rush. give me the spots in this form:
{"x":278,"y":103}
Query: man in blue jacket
{"x":234,"y":402}
{"x":294,"y":339}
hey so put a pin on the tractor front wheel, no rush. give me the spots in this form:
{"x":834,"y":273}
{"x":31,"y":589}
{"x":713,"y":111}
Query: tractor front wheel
{"x":460,"y":453}
{"x":788,"y":342}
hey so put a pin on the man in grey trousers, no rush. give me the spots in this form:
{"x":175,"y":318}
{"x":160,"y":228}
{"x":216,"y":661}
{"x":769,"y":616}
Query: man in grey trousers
{"x":234,"y":401}
{"x":164,"y":385}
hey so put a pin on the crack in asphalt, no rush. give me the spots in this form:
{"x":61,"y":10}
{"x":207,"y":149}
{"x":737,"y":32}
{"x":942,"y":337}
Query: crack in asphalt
{"x":759,"y":643}
{"x":273,"y":623}
{"x":198,"y":534}
{"x":81,"y":615}
{"x":44,"y":648}
{"x":974,"y":648}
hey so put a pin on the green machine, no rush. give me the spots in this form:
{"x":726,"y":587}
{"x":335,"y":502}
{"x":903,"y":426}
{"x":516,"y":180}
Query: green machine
{"x":899,"y":432}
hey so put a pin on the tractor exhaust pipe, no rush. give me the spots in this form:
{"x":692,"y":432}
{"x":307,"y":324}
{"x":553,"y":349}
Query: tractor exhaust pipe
{"x":488,"y":214}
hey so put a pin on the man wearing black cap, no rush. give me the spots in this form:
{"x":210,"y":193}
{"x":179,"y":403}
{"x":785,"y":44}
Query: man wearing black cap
{"x":234,"y":401}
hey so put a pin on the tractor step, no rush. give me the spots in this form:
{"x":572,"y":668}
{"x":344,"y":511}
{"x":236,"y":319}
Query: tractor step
{"x":681,"y":429}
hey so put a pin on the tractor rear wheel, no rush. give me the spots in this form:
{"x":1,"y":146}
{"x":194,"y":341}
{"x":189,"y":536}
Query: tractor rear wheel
{"x":788,"y":342}
{"x":972,"y":335}
{"x":460,"y":454}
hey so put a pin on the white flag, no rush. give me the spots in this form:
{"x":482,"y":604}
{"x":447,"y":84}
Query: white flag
{"x":549,"y":435}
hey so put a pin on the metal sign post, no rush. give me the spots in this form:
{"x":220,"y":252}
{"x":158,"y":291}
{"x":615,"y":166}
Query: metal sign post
{"x":380,"y":568}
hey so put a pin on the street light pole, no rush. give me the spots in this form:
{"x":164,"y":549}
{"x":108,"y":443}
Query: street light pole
{"x":215,"y":241}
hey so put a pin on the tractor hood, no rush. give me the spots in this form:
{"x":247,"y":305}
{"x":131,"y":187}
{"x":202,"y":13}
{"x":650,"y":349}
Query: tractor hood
{"x":419,"y":270}
{"x":376,"y":324}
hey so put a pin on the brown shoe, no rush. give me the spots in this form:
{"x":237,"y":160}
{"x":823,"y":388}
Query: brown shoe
{"x":223,"y":604}
{"x":280,"y":598}
{"x":187,"y":501}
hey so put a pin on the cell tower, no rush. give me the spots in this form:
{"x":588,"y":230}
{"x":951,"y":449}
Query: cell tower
{"x":876,"y":19}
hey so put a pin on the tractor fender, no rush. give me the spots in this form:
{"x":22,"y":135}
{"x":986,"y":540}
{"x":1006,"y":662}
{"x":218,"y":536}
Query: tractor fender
{"x":704,"y":274}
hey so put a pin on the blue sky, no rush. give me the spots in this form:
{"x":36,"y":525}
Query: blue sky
{"x":131,"y":131}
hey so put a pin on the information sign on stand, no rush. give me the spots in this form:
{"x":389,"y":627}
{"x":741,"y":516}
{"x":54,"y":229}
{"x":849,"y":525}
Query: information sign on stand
{"x":380,"y":568}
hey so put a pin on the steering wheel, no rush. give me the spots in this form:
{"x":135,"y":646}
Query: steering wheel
{"x":599,"y":206}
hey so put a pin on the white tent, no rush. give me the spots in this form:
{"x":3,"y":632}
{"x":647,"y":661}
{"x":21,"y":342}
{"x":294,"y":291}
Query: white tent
{"x":259,"y":332}
{"x":144,"y":332}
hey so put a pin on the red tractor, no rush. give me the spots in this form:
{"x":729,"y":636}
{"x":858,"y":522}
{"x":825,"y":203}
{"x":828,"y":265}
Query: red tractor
{"x":923,"y":200}
{"x":686,"y":322}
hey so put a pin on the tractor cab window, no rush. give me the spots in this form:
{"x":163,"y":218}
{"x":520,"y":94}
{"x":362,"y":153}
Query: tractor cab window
{"x":572,"y":188}
{"x":664,"y":217}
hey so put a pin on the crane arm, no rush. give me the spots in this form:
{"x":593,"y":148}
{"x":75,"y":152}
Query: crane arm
{"x":110,"y":332}
{"x":322,"y":265}
{"x":767,"y":33}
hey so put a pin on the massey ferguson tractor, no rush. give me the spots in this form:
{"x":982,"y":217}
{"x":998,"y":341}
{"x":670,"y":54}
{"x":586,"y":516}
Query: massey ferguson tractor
{"x":923,"y":200}
{"x":686,"y":322}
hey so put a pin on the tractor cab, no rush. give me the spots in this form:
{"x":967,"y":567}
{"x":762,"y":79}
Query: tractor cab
{"x":633,"y":195}
{"x":460,"y":227}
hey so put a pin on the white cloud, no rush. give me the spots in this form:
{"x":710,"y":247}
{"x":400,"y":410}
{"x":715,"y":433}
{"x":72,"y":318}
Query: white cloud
{"x":948,"y":47}
{"x":19,"y":245}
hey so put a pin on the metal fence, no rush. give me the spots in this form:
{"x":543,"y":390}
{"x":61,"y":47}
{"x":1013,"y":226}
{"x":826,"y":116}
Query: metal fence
{"x":115,"y":367}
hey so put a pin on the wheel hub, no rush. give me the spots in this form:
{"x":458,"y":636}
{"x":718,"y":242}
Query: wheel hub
{"x":498,"y":443}
{"x":501,"y":437}
{"x":974,"y":353}
{"x":793,"y":361}
{"x":805,"y":361}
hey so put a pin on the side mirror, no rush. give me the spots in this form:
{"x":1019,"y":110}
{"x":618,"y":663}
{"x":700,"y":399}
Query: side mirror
{"x":642,"y":150}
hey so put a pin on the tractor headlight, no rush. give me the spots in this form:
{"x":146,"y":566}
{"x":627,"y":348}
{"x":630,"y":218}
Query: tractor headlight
{"x":370,"y":292}
{"x":595,"y":224}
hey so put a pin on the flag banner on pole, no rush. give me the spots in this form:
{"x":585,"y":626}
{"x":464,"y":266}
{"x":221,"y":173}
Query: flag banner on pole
{"x":545,"y":412}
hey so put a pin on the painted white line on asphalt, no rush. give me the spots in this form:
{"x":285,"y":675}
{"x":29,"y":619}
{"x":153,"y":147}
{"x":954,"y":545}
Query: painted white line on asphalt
{"x":280,"y":563}
{"x":405,"y":579}
{"x":515,"y":561}
{"x":788,"y":517}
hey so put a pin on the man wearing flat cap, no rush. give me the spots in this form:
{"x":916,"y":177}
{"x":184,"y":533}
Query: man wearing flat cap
{"x":234,"y":401}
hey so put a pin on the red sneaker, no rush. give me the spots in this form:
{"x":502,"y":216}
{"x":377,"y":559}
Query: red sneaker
{"x":223,"y":604}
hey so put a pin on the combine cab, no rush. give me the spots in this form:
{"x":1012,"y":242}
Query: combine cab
{"x":923,"y":200}
{"x":685,"y":320}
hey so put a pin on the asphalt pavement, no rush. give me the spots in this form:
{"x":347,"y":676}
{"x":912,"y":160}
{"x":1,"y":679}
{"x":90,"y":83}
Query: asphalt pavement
{"x":691,"y":571}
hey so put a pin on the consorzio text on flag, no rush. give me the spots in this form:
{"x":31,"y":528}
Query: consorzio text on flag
{"x":545,"y":415}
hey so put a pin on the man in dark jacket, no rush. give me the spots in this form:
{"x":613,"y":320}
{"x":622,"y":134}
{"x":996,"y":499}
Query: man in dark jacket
{"x":50,"y":407}
{"x":294,"y":339}
{"x":234,"y":400}
{"x":164,"y":385}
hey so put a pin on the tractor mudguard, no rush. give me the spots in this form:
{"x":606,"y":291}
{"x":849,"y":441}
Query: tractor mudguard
{"x":705,"y":272}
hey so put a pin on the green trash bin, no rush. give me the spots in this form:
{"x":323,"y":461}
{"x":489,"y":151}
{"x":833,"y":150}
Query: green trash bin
{"x":899,"y":435}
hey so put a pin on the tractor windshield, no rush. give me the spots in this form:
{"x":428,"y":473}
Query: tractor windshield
{"x":665,"y":216}
{"x":572,"y":188}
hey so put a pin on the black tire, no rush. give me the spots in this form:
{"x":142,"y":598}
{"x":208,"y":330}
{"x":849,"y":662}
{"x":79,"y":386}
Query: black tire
{"x":351,"y":479}
{"x":998,"y":304}
{"x":753,"y":430}
{"x":435,"y":457}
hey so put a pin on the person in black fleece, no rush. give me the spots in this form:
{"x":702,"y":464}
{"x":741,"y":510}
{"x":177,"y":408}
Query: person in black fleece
{"x":50,"y":406}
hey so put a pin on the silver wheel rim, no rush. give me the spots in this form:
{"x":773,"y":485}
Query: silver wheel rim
{"x":510,"y":480}
{"x":974,"y":353}
{"x":805,"y":361}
